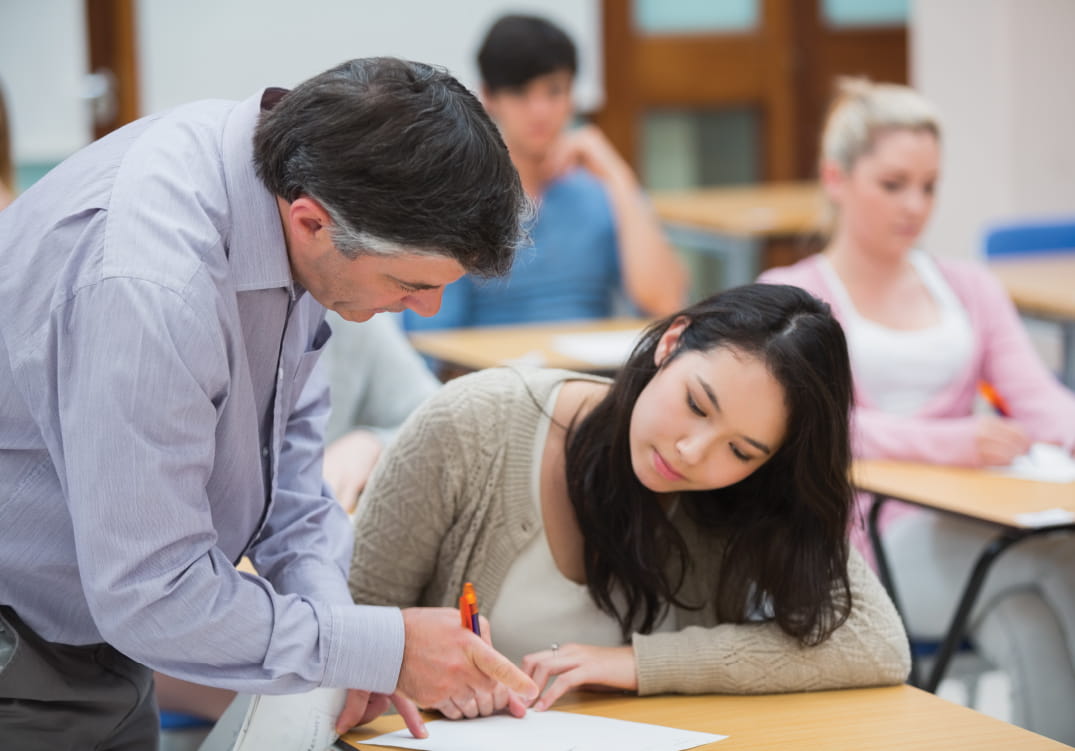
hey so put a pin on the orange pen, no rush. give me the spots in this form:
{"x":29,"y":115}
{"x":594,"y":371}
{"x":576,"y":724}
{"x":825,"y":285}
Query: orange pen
{"x":468,"y":609}
{"x":994,"y":399}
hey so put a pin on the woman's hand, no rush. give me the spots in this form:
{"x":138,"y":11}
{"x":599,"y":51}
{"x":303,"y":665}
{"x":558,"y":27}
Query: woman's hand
{"x":999,"y":440}
{"x":580,"y":665}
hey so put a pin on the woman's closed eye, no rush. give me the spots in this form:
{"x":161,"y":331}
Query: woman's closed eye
{"x":693,"y":405}
{"x":739,"y":455}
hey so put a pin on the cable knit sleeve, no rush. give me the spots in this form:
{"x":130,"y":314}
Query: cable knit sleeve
{"x":869,"y":649}
{"x":409,"y":505}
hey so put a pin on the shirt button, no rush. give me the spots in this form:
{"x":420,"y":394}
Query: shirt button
{"x":265,"y":451}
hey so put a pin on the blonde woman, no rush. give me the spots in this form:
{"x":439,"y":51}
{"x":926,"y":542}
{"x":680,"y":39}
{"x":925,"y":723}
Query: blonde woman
{"x":922,"y":332}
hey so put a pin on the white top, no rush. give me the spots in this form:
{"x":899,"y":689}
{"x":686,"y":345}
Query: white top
{"x":567,"y":613}
{"x":901,"y":370}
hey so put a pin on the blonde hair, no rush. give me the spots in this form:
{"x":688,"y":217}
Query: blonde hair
{"x":863,"y":109}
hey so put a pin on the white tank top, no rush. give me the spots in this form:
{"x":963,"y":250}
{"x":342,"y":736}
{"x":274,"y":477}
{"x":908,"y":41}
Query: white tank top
{"x":537,"y":604}
{"x":902,"y":370}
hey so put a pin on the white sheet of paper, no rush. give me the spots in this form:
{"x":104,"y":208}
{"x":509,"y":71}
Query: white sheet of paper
{"x":1049,"y":517}
{"x":606,"y":349}
{"x":1044,"y":463}
{"x":546,"y":731}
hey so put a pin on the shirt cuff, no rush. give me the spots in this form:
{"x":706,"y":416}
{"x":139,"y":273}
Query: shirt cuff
{"x":365,"y":647}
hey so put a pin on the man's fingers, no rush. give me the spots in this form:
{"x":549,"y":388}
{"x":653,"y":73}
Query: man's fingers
{"x":377,"y":705}
{"x":516,"y":705}
{"x":354,"y":709}
{"x":408,"y":710}
{"x":500,"y":668}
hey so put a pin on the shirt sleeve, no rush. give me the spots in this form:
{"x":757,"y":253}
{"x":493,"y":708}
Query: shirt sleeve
{"x":1038,"y":401}
{"x":140,"y":379}
{"x":869,"y":649}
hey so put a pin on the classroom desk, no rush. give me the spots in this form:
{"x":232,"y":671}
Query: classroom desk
{"x":970,"y":493}
{"x":895,"y":718}
{"x":1043,"y":286}
{"x":734,"y":222}
{"x":489,"y":346}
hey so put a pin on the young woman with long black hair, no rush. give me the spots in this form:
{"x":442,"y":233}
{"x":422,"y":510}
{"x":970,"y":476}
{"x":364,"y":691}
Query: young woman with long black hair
{"x":680,"y":528}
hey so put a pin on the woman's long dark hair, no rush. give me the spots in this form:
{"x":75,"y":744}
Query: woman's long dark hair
{"x":783,"y":529}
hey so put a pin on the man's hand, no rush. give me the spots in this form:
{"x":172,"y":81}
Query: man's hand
{"x":587,"y":147}
{"x":361,"y":707}
{"x":448,"y":667}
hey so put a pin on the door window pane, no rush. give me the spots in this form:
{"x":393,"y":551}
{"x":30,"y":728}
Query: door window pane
{"x":694,"y":148}
{"x":845,"y":13}
{"x":695,"y":16}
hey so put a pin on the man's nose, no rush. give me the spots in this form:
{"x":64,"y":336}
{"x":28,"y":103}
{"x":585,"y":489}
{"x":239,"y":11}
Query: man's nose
{"x":425,"y":302}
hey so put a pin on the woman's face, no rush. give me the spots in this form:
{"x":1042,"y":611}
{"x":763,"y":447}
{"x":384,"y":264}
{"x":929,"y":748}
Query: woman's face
{"x":886,"y":199}
{"x":706,"y":420}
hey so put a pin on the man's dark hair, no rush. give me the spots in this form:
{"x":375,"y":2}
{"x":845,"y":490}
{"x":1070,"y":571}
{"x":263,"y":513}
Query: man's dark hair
{"x":402,"y":157}
{"x":518,"y":49}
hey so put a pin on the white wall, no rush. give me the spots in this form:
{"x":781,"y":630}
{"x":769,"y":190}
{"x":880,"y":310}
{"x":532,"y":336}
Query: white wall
{"x":208,"y":48}
{"x":42,"y":60}
{"x":1002,"y":74}
{"x":197,"y":49}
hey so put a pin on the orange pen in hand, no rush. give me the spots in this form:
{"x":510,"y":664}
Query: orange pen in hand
{"x":995,"y":400}
{"x":468,"y":609}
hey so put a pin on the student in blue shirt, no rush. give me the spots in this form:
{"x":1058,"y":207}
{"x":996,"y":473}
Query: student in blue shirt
{"x":594,"y":237}
{"x":162,"y":303}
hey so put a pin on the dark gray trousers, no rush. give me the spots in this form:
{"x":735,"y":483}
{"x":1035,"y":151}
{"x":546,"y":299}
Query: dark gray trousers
{"x":58,"y":697}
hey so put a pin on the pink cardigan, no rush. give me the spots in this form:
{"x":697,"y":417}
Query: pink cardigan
{"x":942,"y":432}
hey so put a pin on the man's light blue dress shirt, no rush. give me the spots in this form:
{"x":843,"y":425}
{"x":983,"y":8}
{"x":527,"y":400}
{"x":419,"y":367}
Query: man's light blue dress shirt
{"x":153,"y":352}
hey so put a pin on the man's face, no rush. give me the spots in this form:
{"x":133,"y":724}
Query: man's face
{"x":360,"y":288}
{"x":532,"y":116}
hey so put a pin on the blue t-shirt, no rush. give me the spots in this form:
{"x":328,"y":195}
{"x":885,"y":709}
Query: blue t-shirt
{"x":570,"y":269}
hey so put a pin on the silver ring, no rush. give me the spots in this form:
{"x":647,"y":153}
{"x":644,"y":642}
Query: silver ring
{"x":554,"y":646}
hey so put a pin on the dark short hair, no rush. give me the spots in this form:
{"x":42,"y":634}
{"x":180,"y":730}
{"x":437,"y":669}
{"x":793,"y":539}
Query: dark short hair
{"x":396,"y":151}
{"x":518,"y":49}
{"x":783,"y":528}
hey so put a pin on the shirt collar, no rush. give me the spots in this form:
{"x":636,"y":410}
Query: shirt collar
{"x":257,"y":251}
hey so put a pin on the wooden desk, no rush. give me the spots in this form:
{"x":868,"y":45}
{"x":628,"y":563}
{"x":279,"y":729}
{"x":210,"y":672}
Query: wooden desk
{"x":897,"y":718}
{"x":970,"y":493}
{"x":489,"y":346}
{"x":1043,"y":286}
{"x":733,"y":222}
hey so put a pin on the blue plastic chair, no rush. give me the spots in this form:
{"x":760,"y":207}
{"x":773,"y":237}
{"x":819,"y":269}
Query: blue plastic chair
{"x":1037,"y":236}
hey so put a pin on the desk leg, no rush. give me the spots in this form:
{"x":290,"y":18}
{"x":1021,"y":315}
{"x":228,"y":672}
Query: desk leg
{"x":958,"y":626}
{"x":884,"y":573}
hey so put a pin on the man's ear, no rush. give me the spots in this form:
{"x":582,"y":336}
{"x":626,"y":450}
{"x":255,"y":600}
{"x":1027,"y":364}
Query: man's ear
{"x":307,"y":219}
{"x":666,"y":345}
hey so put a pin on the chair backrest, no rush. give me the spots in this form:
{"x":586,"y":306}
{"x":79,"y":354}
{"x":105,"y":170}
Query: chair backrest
{"x":1041,"y":236}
